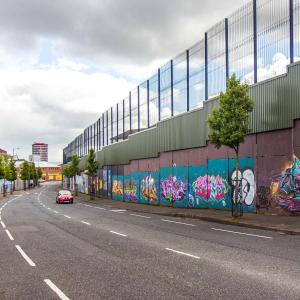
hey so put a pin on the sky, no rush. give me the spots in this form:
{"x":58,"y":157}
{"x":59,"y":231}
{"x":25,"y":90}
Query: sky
{"x":64,"y":62}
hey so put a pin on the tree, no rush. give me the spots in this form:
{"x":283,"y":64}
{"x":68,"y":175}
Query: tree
{"x":229,"y":122}
{"x":39,"y":173}
{"x":92,"y":166}
{"x":74,"y":167}
{"x":11,"y":174}
{"x":25,"y":173}
{"x":67,"y":173}
{"x":3,"y":172}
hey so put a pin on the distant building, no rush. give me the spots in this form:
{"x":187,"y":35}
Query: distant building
{"x":40,"y":149}
{"x":3,"y":152}
{"x":51,"y":171}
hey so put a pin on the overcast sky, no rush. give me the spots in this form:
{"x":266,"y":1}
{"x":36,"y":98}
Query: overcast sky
{"x":63,"y":62}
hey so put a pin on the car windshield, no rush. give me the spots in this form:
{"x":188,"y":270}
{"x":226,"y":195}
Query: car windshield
{"x":64,"y":192}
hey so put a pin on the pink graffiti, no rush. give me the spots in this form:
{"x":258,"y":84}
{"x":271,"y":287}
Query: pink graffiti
{"x":211,"y":187}
{"x":173,"y":189}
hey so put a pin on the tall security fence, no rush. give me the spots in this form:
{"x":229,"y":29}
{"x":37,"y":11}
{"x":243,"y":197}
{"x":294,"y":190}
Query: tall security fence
{"x":256,"y":43}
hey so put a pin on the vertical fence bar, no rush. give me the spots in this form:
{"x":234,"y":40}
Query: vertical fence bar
{"x":139,"y":113}
{"x":117,"y":137}
{"x":255,"y":39}
{"x":148,"y":105}
{"x":187,"y":80}
{"x":159,"y":102}
{"x":226,"y":49}
{"x":172,"y":90}
{"x":291,"y":3}
{"x":123,"y":119}
{"x":130,"y":127}
{"x":111,"y":125}
{"x":206,"y":66}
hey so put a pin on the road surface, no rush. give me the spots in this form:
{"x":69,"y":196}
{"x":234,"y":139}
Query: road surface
{"x":82,"y":251}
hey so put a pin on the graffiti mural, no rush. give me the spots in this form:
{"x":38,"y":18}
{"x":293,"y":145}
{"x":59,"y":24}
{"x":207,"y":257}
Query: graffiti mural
{"x":173,"y":189}
{"x":285,"y":189}
{"x":117,"y":188}
{"x":211,"y":188}
{"x":130,"y":191}
{"x":149,"y":189}
{"x":248,"y":185}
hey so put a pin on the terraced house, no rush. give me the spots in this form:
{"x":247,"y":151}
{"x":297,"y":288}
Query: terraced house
{"x":153,"y":147}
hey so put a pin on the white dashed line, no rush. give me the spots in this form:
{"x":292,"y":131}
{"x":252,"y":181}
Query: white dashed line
{"x":30,"y":262}
{"x":118,"y":233}
{"x":3,"y":225}
{"x":86,"y":223}
{"x":101,"y":208}
{"x":183,"y":253}
{"x":181,"y":223}
{"x":242,"y":233}
{"x":67,"y":216}
{"x":55,"y":289}
{"x":9,"y":235}
{"x":49,"y":208}
{"x":118,"y":210}
{"x":140,"y":216}
{"x":55,"y":211}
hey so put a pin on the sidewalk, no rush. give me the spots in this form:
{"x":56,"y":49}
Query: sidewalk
{"x":284,"y":224}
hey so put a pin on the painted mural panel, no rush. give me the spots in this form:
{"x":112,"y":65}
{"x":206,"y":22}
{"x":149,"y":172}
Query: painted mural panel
{"x":246,"y":174}
{"x":109,"y":180}
{"x":174,"y":186}
{"x":285,"y":188}
{"x":104,"y":182}
{"x":131,"y":188}
{"x":149,"y":188}
{"x":117,"y":188}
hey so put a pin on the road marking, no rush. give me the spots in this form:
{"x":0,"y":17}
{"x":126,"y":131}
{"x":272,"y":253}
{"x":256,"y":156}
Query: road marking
{"x":3,"y":225}
{"x":56,"y":211}
{"x":55,"y":289}
{"x":9,"y":235}
{"x":118,"y":210}
{"x":183,"y":253}
{"x":30,"y":262}
{"x":170,"y":221}
{"x":49,"y":208}
{"x":67,"y":216}
{"x":242,"y":233}
{"x":86,"y":223}
{"x":100,"y":208}
{"x":140,"y":216}
{"x":118,"y":233}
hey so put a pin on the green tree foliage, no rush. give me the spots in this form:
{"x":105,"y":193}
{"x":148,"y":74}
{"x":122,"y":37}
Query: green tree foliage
{"x":39,"y":172}
{"x":10,"y":173}
{"x":67,"y":172}
{"x":25,"y":172}
{"x":229,"y":122}
{"x":2,"y":167}
{"x":74,"y":167}
{"x":91,"y":166}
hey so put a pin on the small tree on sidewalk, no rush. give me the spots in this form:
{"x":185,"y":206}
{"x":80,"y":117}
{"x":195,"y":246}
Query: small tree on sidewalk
{"x":39,"y":173}
{"x":11,"y":174}
{"x":74,"y":168}
{"x":25,"y":173}
{"x":92,"y":166}
{"x":229,"y":123}
{"x":67,"y":174}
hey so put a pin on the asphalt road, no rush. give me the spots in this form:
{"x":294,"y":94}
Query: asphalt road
{"x":81,"y":251}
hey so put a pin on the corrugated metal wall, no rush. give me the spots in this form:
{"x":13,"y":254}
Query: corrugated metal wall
{"x":277,"y":104}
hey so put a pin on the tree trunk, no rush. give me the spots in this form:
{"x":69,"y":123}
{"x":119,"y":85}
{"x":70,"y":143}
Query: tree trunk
{"x":75,"y":186}
{"x":236,"y":192}
{"x":11,"y":187}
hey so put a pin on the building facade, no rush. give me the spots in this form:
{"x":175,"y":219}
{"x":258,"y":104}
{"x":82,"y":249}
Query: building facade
{"x":40,"y":150}
{"x":153,"y":146}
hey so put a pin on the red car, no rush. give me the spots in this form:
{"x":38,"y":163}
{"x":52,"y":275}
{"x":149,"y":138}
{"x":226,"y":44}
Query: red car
{"x":64,"y":196}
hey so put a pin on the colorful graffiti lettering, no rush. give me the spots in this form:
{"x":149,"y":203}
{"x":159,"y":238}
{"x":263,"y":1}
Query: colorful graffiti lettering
{"x":117,"y":188}
{"x":148,"y":188}
{"x":248,"y":187}
{"x":285,"y":189}
{"x":212,"y":188}
{"x":173,"y":189}
{"x":130,"y":191}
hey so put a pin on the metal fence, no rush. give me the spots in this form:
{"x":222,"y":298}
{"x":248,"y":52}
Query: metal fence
{"x":256,"y":42}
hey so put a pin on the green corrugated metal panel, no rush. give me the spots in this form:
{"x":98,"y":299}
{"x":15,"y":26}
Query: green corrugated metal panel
{"x":277,"y":104}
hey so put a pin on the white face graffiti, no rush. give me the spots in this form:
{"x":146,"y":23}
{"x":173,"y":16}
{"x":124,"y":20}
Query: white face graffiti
{"x":248,"y":185}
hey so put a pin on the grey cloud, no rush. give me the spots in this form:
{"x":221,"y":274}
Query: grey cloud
{"x":132,"y":31}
